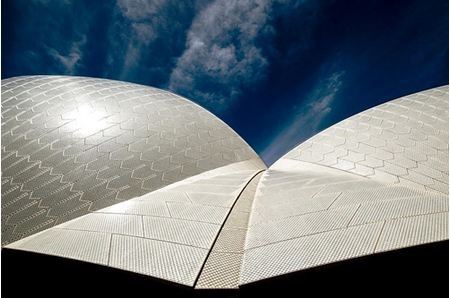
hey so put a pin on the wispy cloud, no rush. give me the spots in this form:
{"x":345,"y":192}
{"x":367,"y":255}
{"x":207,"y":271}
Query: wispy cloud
{"x":70,"y":61}
{"x":307,"y":119}
{"x":222,"y":55}
{"x":146,"y":35}
{"x":138,"y":31}
{"x":144,"y":18}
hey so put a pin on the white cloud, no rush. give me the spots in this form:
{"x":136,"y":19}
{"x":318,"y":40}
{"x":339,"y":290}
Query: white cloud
{"x":222,"y":55}
{"x":143,"y":28}
{"x":321,"y":98}
{"x":70,"y":61}
{"x":140,"y":28}
{"x":144,"y":32}
{"x":308,"y":119}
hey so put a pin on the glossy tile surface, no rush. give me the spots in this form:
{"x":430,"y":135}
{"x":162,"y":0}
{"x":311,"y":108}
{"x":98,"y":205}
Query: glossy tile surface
{"x":73,"y":145}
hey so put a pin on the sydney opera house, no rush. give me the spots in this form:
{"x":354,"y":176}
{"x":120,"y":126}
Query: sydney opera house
{"x":110,"y":187}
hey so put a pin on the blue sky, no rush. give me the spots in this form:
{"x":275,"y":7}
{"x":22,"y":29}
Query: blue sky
{"x":277,"y":71}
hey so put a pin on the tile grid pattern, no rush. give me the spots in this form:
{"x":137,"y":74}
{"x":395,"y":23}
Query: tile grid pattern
{"x":164,"y":234}
{"x":72,"y":145}
{"x":405,"y":140}
{"x":374,"y":182}
{"x":223,"y":265}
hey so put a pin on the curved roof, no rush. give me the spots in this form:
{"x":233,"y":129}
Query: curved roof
{"x":209,"y":215}
{"x":73,"y":145}
{"x":167,"y":234}
{"x":374,"y":182}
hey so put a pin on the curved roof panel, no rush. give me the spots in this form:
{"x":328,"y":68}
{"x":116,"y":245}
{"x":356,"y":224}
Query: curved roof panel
{"x":140,"y":179}
{"x":166,"y":234}
{"x":73,"y":145}
{"x":374,"y":182}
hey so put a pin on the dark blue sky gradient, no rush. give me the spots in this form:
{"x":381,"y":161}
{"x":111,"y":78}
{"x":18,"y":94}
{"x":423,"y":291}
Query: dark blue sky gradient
{"x":276,"y":71}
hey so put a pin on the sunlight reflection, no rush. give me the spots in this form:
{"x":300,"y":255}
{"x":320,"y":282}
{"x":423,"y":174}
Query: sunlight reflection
{"x":89,"y":120}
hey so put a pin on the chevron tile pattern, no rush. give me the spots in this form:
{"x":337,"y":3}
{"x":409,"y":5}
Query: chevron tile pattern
{"x":142,"y":180}
{"x":73,"y":145}
{"x":404,"y":140}
{"x":151,"y":234}
{"x":375,"y":182}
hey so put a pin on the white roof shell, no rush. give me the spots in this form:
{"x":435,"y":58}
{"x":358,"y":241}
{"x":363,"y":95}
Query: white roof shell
{"x":73,"y":145}
{"x":374,"y":182}
{"x":377,"y":181}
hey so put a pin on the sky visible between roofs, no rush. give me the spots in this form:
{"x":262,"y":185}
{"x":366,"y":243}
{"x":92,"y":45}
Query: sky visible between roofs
{"x":276,"y":71}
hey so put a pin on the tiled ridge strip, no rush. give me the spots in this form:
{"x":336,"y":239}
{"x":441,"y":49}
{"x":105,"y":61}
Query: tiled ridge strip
{"x":222,"y":226}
